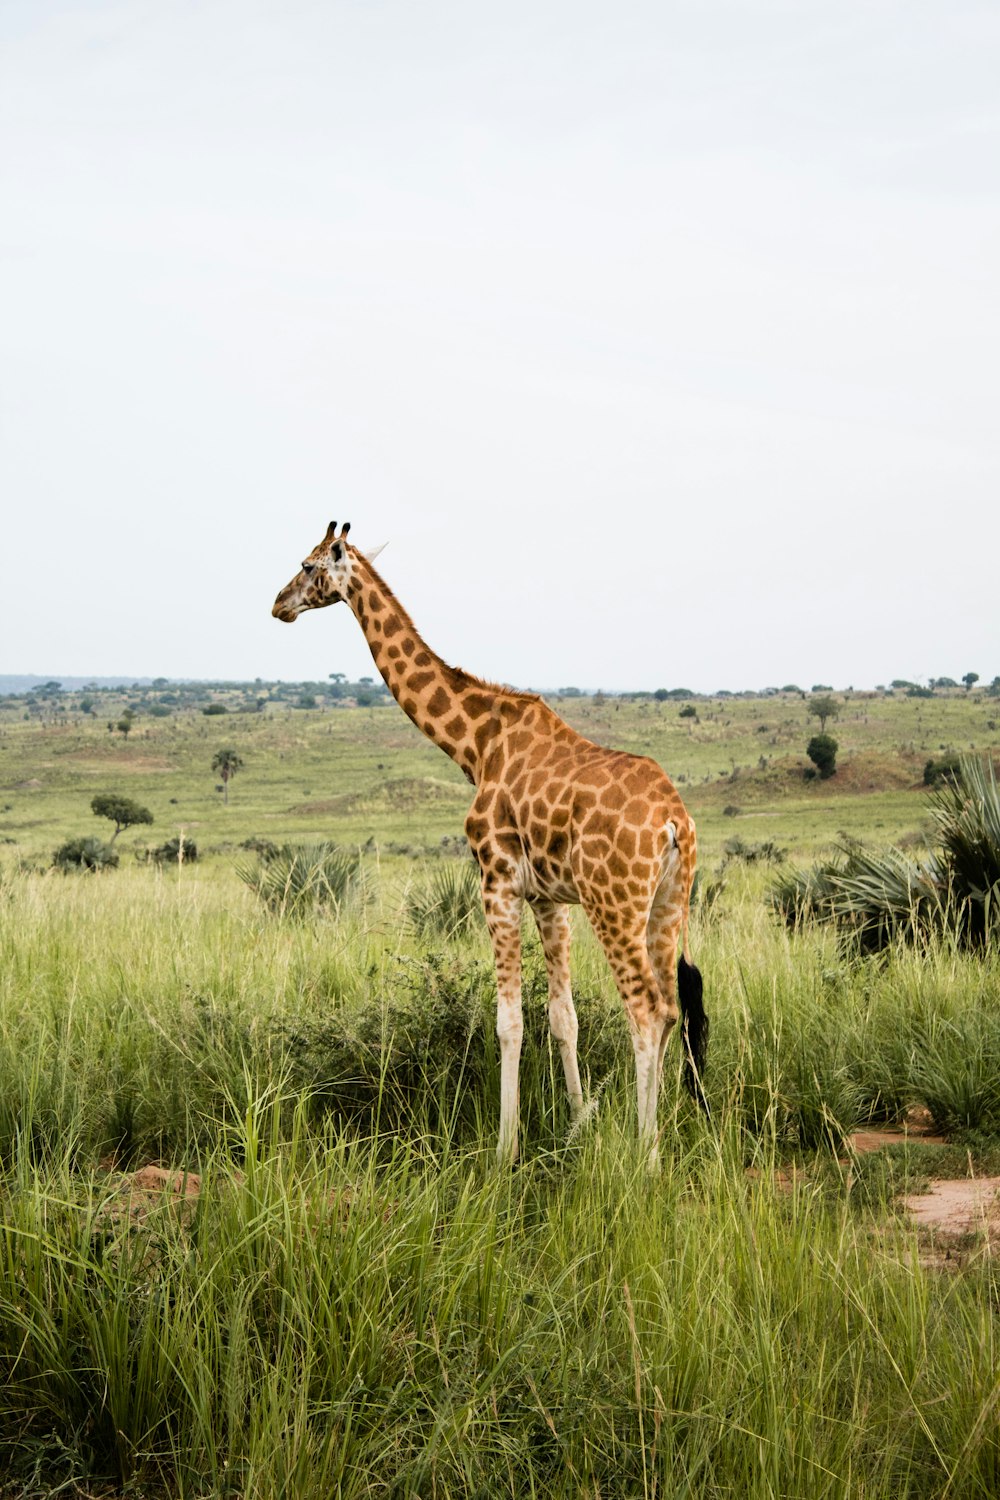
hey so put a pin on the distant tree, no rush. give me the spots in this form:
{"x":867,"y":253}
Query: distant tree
{"x":993,"y":691}
{"x":86,"y":705}
{"x":123,"y":812}
{"x":159,"y":682}
{"x":969,"y":679}
{"x":792,"y":687}
{"x":214,"y":709}
{"x":306,"y":700}
{"x":918,"y":692}
{"x":822,"y":687}
{"x":823,"y":708}
{"x":226,"y":763}
{"x":902,"y":682}
{"x":688,"y":712}
{"x":124,"y":724}
{"x":661,"y":695}
{"x":943,"y":682}
{"x":822,"y":751}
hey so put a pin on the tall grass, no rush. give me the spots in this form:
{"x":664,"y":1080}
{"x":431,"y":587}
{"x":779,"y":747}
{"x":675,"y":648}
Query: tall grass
{"x":361,"y":1304}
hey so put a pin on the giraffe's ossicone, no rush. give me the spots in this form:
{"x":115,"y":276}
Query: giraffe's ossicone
{"x":556,"y":821}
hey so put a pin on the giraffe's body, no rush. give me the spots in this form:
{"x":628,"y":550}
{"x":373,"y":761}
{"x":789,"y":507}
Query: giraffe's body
{"x":556,"y":821}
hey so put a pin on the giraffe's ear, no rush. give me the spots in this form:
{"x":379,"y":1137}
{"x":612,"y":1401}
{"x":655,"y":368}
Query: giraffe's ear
{"x":371,"y":556}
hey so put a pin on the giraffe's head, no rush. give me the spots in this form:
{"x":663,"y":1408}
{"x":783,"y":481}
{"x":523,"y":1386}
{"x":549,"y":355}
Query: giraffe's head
{"x":324,"y":578}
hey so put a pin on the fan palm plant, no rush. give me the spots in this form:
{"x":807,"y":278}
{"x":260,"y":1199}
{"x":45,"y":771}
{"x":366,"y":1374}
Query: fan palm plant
{"x":298,"y":880}
{"x":879,"y":895}
{"x":449,"y":905}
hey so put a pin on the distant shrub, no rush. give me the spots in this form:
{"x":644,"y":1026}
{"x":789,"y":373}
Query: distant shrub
{"x":688,"y":712}
{"x":305,"y":879}
{"x":85,"y":854}
{"x":731,"y":810}
{"x":215,"y":708}
{"x":158,"y":711}
{"x":766,"y":852}
{"x":168,"y":852}
{"x":945,"y":768}
{"x":822,"y":751}
{"x":266,"y":848}
{"x":919,"y":692}
{"x":450,"y":903}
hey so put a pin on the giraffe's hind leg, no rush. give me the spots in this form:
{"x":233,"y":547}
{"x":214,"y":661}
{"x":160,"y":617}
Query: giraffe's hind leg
{"x":651,"y":1013}
{"x":662,"y":937}
{"x":552,"y":920}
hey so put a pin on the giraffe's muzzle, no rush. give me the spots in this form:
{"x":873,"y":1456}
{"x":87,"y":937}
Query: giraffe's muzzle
{"x":282,"y":610}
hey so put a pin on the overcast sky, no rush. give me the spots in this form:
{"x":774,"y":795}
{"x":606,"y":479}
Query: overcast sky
{"x":660,"y":341}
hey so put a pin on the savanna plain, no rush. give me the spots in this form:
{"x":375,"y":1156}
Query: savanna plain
{"x":253,"y":1238}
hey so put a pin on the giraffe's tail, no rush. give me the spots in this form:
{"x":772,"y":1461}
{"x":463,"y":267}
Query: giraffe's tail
{"x":694,"y":1029}
{"x":690,"y":989}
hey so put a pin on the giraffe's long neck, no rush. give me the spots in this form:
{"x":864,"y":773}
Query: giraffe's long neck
{"x":452,"y":708}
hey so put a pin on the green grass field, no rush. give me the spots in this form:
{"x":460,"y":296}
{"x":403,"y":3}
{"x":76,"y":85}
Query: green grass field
{"x":355,"y":1301}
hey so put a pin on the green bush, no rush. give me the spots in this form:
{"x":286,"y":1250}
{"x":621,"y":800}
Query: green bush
{"x":943,"y":769}
{"x":822,"y":751}
{"x":85,"y":854}
{"x":167,"y":853}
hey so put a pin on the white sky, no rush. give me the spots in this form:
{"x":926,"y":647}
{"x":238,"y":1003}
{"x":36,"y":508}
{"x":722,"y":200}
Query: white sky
{"x":660,"y":340}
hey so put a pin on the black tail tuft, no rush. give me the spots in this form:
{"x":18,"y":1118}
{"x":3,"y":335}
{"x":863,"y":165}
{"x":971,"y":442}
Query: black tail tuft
{"x":694,"y":1030}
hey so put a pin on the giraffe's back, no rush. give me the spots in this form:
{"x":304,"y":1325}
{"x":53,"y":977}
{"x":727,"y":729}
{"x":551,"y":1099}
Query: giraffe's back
{"x":575,"y":822}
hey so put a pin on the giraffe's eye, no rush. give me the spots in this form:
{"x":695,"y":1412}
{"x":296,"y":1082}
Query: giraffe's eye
{"x":308,"y":568}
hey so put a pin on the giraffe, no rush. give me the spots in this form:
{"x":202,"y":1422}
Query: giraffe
{"x":556,"y":821}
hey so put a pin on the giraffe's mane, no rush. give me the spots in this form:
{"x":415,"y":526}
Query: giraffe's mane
{"x":466,"y":679}
{"x":502,"y":689}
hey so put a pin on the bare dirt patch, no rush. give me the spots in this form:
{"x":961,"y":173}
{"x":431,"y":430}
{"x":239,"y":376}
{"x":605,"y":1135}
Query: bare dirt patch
{"x":958,"y":1207}
{"x":136,"y":1196}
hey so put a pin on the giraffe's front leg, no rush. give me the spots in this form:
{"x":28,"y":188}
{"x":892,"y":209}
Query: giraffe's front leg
{"x":552,"y":920}
{"x":503,"y":917}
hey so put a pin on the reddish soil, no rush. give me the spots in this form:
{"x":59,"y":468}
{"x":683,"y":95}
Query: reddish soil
{"x":959,"y":1207}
